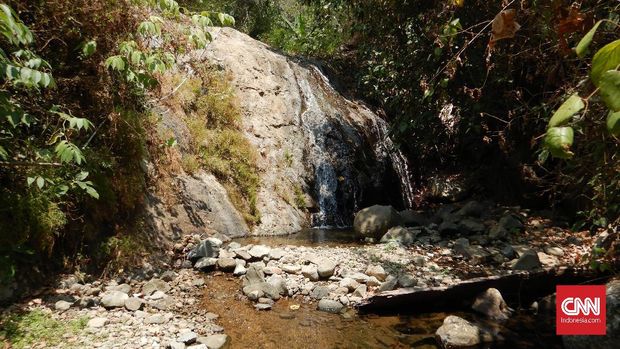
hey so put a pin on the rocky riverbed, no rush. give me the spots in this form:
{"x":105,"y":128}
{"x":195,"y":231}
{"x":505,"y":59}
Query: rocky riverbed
{"x":179,"y":306}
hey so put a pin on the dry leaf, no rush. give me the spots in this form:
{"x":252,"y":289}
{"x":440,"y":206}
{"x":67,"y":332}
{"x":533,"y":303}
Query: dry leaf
{"x":504,"y":26}
{"x":573,"y":22}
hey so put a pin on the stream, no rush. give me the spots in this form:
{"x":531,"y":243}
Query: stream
{"x":293,"y":323}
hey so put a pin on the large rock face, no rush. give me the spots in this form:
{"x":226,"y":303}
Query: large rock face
{"x":321,"y":155}
{"x":311,"y":138}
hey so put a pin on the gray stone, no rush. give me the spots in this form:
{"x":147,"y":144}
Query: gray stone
{"x":554,"y":251}
{"x":411,"y":218}
{"x":205,"y":263}
{"x":349,"y":283}
{"x":97,"y":322}
{"x":357,"y":276}
{"x":375,"y":221}
{"x":155,"y":319}
{"x":123,"y":288}
{"x":155,"y":285}
{"x":188,"y":337}
{"x":330,"y":306}
{"x":239,"y":269}
{"x":278,"y":283}
{"x":509,"y":252}
{"x":498,"y":232}
{"x":528,"y":261}
{"x":511,"y":223}
{"x":262,"y":306}
{"x":360,"y":291}
{"x":197,"y":346}
{"x":407,"y":280}
{"x":319,"y":292}
{"x":114,"y":299}
{"x":492,"y":304}
{"x":253,"y":276}
{"x":266,"y":288}
{"x":471,"y":209}
{"x":404,"y":236}
{"x":276,"y":253}
{"x":376,"y":271}
{"x":176,"y":345}
{"x":216,"y":341}
{"x":310,"y":271}
{"x":259,"y":251}
{"x":62,"y":305}
{"x":325,"y":267}
{"x":226,"y":264}
{"x":461,"y":245}
{"x":470,"y":226}
{"x":234,"y":245}
{"x":389,"y":284}
{"x":460,"y":333}
{"x":373,"y":281}
{"x":291,"y":268}
{"x":548,"y":260}
{"x":243,"y":254}
{"x":168,"y":275}
{"x":448,"y":228}
{"x":209,"y":248}
{"x":133,"y":303}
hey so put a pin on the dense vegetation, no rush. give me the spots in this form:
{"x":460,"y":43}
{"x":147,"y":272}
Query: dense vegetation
{"x":521,"y":97}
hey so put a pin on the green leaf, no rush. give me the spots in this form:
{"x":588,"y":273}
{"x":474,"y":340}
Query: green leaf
{"x":92,"y":192}
{"x":3,"y":154}
{"x":30,"y":180}
{"x":613,"y":123}
{"x":610,"y":89}
{"x":89,"y":48}
{"x":81,"y":176}
{"x":40,"y":182}
{"x":226,"y":20}
{"x":558,"y":141}
{"x":582,"y":47}
{"x":116,"y":63}
{"x":607,"y":58}
{"x":564,"y":113}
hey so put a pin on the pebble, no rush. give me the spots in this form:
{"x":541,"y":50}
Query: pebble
{"x":97,"y":322}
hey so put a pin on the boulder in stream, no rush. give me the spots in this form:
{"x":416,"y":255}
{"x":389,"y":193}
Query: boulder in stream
{"x":375,"y":221}
{"x":492,"y":304}
{"x":457,"y":332}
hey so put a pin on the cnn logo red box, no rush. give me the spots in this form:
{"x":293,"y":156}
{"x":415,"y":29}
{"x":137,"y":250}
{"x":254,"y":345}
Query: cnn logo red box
{"x":580,"y":310}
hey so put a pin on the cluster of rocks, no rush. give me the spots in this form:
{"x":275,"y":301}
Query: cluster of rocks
{"x":158,"y":313}
{"x":468,"y":230}
{"x":333,"y":277}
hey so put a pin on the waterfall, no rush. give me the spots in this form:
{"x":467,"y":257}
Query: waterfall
{"x":398,"y":160}
{"x":332,"y":146}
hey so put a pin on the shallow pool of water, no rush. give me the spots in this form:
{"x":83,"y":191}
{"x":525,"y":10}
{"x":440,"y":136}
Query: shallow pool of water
{"x":308,"y":237}
{"x":305,"y":327}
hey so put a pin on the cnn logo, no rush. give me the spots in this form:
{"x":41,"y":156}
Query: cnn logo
{"x":580,"y":310}
{"x":574,"y":306}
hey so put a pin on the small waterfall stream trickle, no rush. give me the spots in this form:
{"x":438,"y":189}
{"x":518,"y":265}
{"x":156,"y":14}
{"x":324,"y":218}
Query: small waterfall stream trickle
{"x":333,"y":146}
{"x":398,"y":160}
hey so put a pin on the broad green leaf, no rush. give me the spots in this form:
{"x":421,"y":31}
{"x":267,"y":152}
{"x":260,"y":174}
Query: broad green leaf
{"x":3,"y":154}
{"x":607,"y":58}
{"x":30,"y":180}
{"x":116,"y":63}
{"x":613,"y":123}
{"x":564,"y":113}
{"x":89,"y":48}
{"x":226,"y":20}
{"x":82,"y":176}
{"x":559,"y":140}
{"x":584,"y":43}
{"x":92,"y":192}
{"x":610,"y":89}
{"x":40,"y":182}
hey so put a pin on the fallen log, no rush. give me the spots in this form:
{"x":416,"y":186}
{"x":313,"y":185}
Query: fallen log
{"x":519,"y":288}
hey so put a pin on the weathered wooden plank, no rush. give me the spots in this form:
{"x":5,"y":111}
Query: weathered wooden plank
{"x":518,"y":289}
